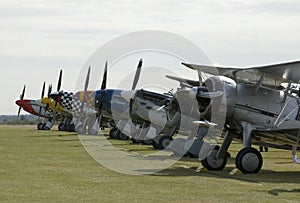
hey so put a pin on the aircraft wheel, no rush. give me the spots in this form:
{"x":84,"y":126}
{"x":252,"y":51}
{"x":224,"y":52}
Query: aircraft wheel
{"x":45,"y":127}
{"x":113,"y":133}
{"x":155,"y":145}
{"x":164,"y":141}
{"x":135,"y":141}
{"x":40,"y":126}
{"x":71,"y":128}
{"x":121,"y":136}
{"x":147,"y":142}
{"x":249,"y":160}
{"x":61,"y":127}
{"x":212,"y":163}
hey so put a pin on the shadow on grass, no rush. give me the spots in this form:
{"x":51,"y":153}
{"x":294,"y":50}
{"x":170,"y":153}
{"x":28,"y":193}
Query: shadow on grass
{"x":266,"y":176}
{"x":276,"y":192}
{"x":42,"y":135}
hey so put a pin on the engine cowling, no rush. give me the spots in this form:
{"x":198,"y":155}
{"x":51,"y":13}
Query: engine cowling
{"x":228,"y":87}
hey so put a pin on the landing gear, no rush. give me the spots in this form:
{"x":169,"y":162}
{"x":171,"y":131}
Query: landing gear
{"x":71,"y":128}
{"x":113,"y":133}
{"x":40,"y":126}
{"x":212,"y":163}
{"x":121,"y":136}
{"x":61,"y":127}
{"x":249,"y":160}
{"x":116,"y":133}
{"x":162,"y":142}
{"x":147,"y":142}
{"x":135,"y":141}
{"x":43,"y":126}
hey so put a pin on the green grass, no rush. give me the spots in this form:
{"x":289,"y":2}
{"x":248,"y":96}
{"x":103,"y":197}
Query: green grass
{"x":52,"y":166}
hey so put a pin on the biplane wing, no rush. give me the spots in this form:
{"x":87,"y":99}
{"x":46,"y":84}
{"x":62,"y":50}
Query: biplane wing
{"x":273,"y":75}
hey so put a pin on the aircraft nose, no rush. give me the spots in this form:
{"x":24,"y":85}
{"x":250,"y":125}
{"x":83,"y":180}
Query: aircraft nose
{"x":27,"y":106}
{"x":19,"y":102}
{"x":54,"y":96}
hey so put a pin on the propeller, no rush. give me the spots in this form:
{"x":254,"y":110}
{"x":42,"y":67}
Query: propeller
{"x":21,"y":98}
{"x":205,"y":123}
{"x":161,"y":108}
{"x":103,"y":87}
{"x":137,"y":74}
{"x":127,"y":95}
{"x":85,"y":88}
{"x":43,"y":90}
{"x":59,"y":81}
{"x":201,"y":93}
{"x":104,"y":80}
{"x":58,"y":88}
{"x":49,"y":90}
{"x":23,"y":93}
{"x":42,"y":96}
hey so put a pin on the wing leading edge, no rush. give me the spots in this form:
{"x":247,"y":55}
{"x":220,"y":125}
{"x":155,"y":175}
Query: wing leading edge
{"x":274,"y":75}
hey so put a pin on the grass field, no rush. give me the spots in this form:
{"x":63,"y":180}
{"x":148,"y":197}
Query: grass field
{"x":41,"y":166}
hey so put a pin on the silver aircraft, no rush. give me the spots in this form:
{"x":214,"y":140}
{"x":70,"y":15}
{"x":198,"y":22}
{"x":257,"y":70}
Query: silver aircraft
{"x":255,"y":107}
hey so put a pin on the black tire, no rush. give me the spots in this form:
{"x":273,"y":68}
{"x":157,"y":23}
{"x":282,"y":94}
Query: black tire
{"x":213,"y":164}
{"x":155,"y":145}
{"x":164,"y":141}
{"x":113,"y":133}
{"x":249,"y":160}
{"x":121,"y":136}
{"x":45,"y":127}
{"x":71,"y":128}
{"x":40,"y":126}
{"x":147,"y":142}
{"x":61,"y":127}
{"x":135,"y":141}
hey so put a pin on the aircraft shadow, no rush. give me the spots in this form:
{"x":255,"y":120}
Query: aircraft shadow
{"x":264,"y":176}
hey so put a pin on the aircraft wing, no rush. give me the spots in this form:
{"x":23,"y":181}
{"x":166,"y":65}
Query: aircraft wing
{"x":183,"y":80}
{"x":274,"y":74}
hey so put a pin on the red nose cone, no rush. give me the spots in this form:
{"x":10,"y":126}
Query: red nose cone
{"x":23,"y":103}
{"x":27,"y":106}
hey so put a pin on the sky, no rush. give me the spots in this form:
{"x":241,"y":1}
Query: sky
{"x":38,"y":38}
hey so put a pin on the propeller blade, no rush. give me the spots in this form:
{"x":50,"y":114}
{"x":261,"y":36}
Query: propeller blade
{"x":205,"y":123}
{"x":160,"y":108}
{"x":19,"y":111}
{"x":85,"y":88}
{"x":59,"y":81}
{"x":87,"y":79}
{"x":43,"y":91}
{"x":137,"y":74}
{"x":23,"y":93}
{"x":21,"y":98}
{"x":104,"y":80}
{"x":49,"y":90}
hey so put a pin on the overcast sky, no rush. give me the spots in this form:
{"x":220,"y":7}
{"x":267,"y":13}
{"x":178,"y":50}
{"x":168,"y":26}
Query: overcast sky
{"x":38,"y":38}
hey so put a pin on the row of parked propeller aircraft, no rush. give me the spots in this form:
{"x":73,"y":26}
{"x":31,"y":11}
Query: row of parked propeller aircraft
{"x":255,"y":105}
